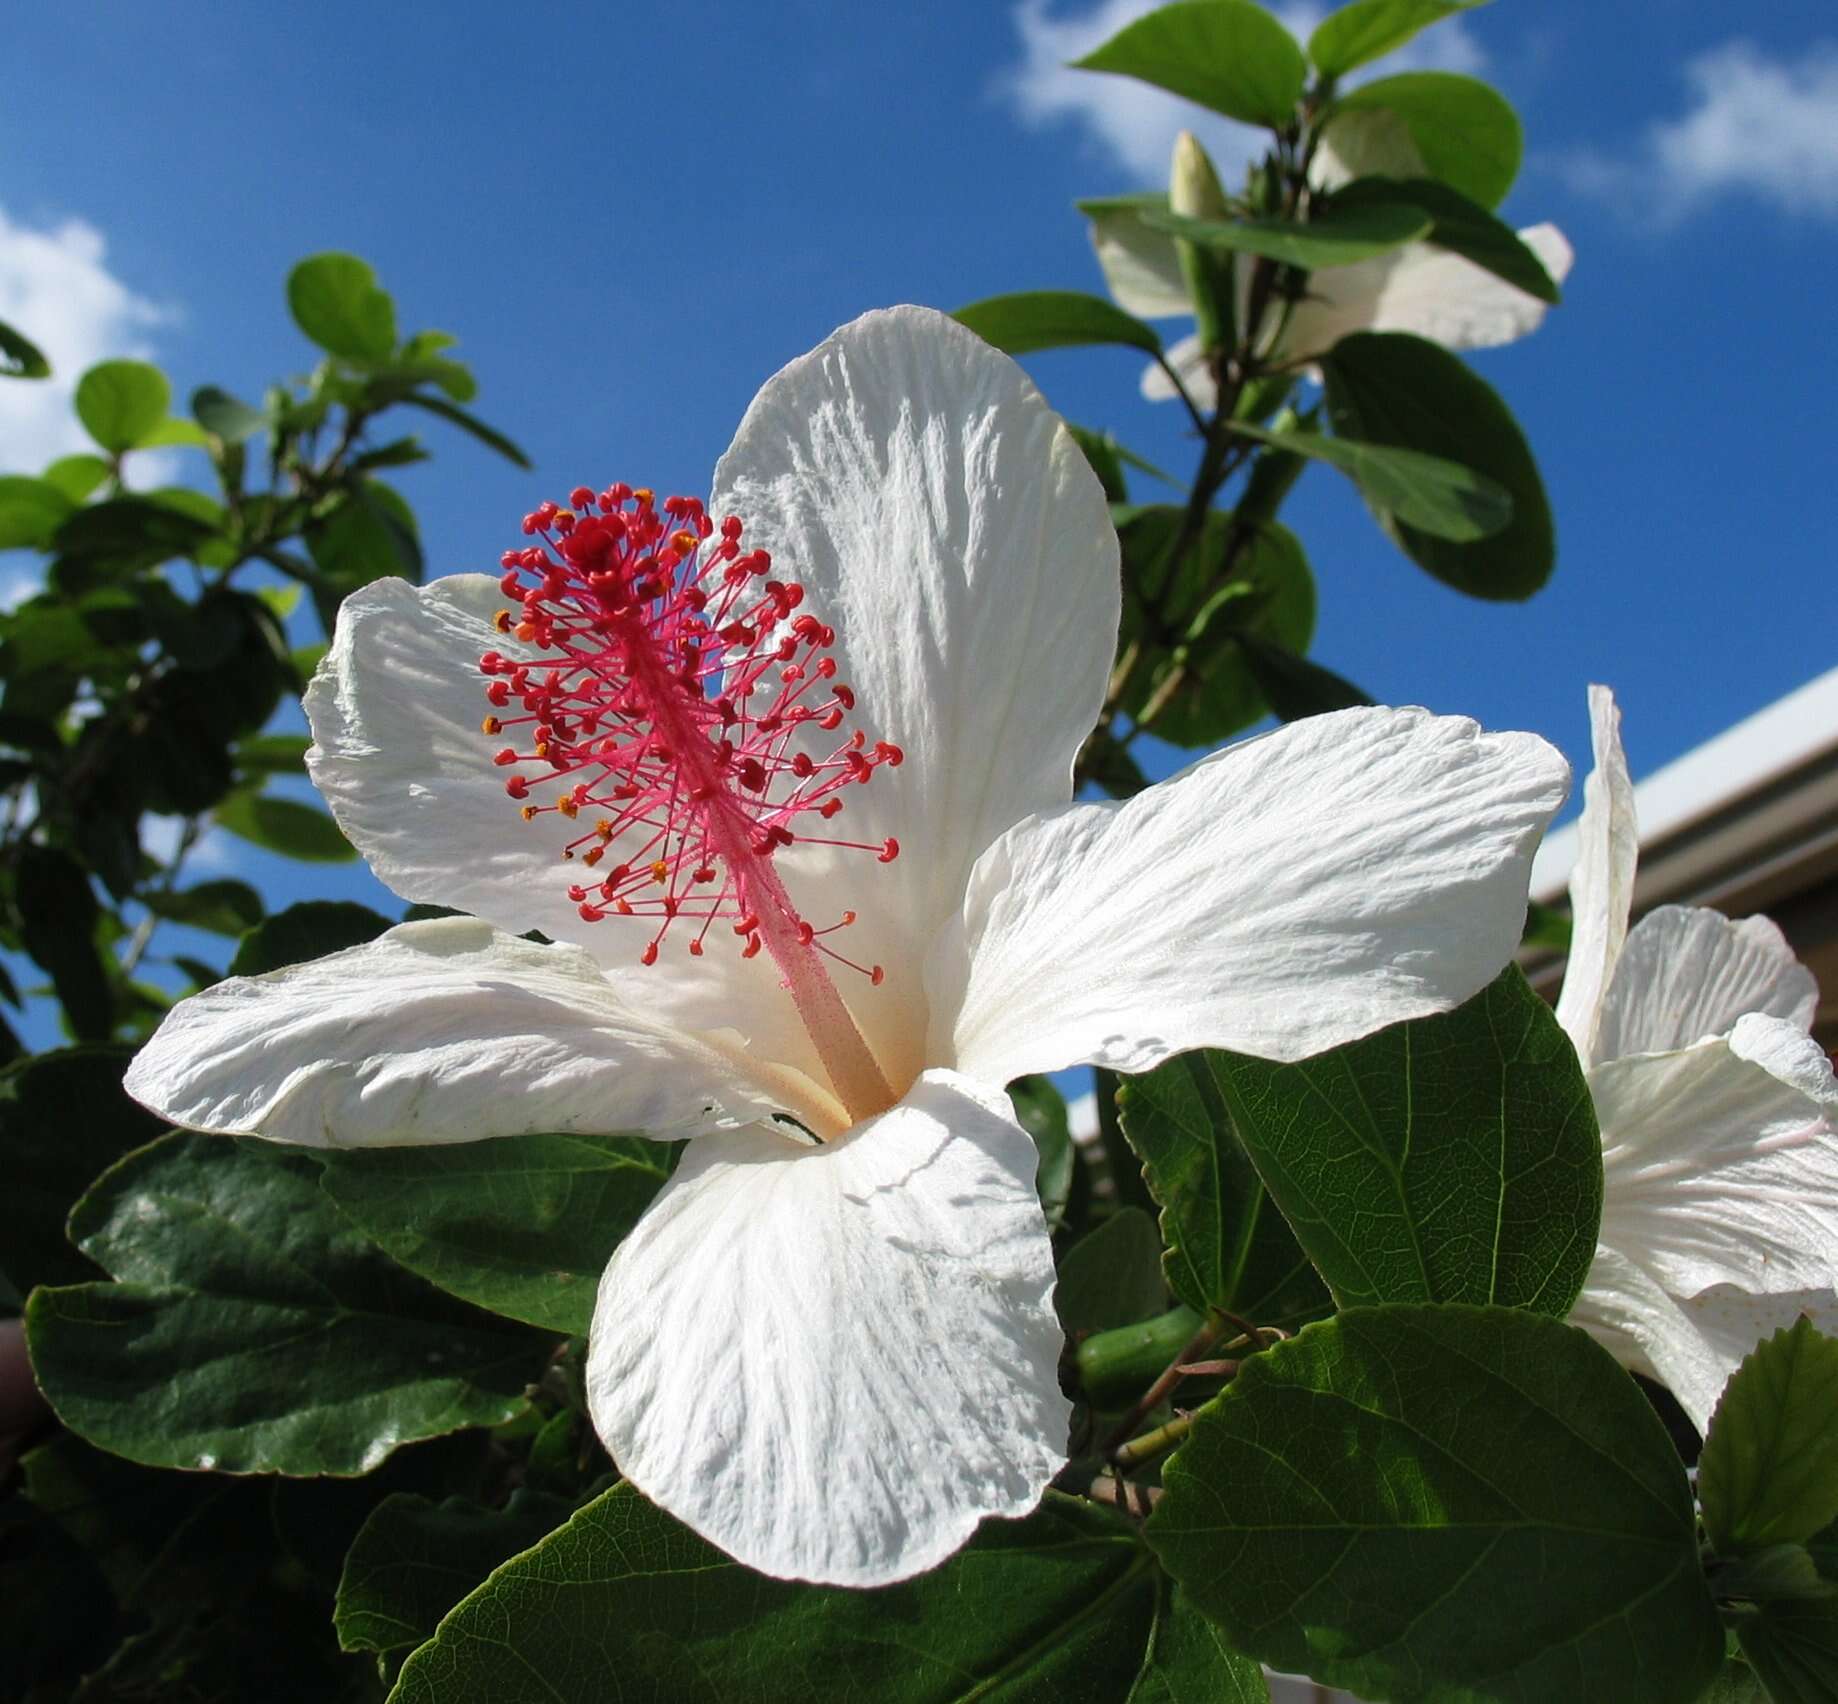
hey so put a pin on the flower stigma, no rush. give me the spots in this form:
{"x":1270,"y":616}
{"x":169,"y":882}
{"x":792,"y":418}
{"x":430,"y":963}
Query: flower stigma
{"x":677,"y":727}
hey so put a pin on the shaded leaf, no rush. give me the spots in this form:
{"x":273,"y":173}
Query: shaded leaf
{"x":1112,"y":1276}
{"x":20,"y":357}
{"x":1462,"y":226}
{"x":308,"y":930}
{"x":1339,"y":235}
{"x":1293,"y":686}
{"x":57,"y":926}
{"x":1029,"y":320}
{"x":286,"y":826}
{"x":224,"y":907}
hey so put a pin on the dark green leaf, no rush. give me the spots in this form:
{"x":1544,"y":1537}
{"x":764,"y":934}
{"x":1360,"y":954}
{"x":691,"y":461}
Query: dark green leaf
{"x":272,"y":754}
{"x":1369,"y":29}
{"x":226,"y":417}
{"x":1294,"y":687}
{"x":1735,"y":1683}
{"x":523,"y":1225}
{"x":1226,"y":54}
{"x":370,"y":534}
{"x":63,"y":1120}
{"x":1462,"y":226}
{"x":285,"y":826}
{"x":1793,"y":1647}
{"x":1389,"y":388}
{"x":1056,"y":319}
{"x":1112,"y":1276}
{"x":252,"y":1330}
{"x":414,"y":1559}
{"x":20,"y":357}
{"x":336,"y":301}
{"x":1466,"y":133}
{"x":1444,"y":1504}
{"x":120,"y":402}
{"x":1438,"y":497}
{"x":223,"y":907}
{"x":1337,"y":236}
{"x":1101,"y":452}
{"x":1769,"y":1471}
{"x":1228,"y":1246}
{"x":57,"y":925}
{"x":1546,"y":928}
{"x":133,"y":533}
{"x":1041,"y":1110}
{"x":471,"y":424}
{"x":55,"y":1607}
{"x":309,"y":930}
{"x":624,"y":1603}
{"x":77,"y":476}
{"x":1450,"y":1159}
{"x":31,"y":511}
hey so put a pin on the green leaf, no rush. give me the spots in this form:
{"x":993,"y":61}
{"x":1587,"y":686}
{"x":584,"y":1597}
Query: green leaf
{"x":20,"y":357}
{"x":1793,"y":1647}
{"x":471,"y":424}
{"x":186,"y":434}
{"x":1112,"y":1276}
{"x":1462,"y":226}
{"x":1435,"y":496}
{"x":120,"y":402}
{"x":1294,"y":687}
{"x":272,"y":754}
{"x":223,"y":907}
{"x":1370,"y":29}
{"x":225,"y":417}
{"x":1735,"y":1683}
{"x":522,"y":1225}
{"x":1449,"y":1159}
{"x":1444,"y":1504}
{"x":1101,"y":452}
{"x":336,"y":301}
{"x":1466,"y":133}
{"x":1388,"y":388}
{"x":370,"y":534}
{"x":1226,"y":54}
{"x":1056,"y":319}
{"x":31,"y":511}
{"x":1769,"y":1471}
{"x":309,"y":930}
{"x":1191,"y":686}
{"x":1063,"y":1604}
{"x":77,"y":476}
{"x":63,"y":1120}
{"x":413,"y":1559}
{"x":1228,"y":1246}
{"x":57,"y":926}
{"x":1041,"y":1110}
{"x":252,"y":1330}
{"x":1337,"y":236}
{"x":285,"y":826}
{"x":124,"y":535}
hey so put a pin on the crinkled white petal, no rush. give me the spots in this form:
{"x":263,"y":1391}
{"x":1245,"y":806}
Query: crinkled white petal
{"x":1426,"y":291}
{"x":1280,"y":897}
{"x":1690,"y":1344}
{"x":834,"y":1362}
{"x":1601,"y":884}
{"x":1142,"y":268}
{"x":1687,"y":973}
{"x":943,"y":520}
{"x":1189,"y":360}
{"x":443,"y":1031}
{"x":1720,"y":1162}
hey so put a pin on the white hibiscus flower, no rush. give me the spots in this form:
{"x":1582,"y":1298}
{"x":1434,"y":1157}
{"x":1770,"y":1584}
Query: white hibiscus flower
{"x":1416,"y":287}
{"x":829,"y":1346}
{"x":1720,"y":1213}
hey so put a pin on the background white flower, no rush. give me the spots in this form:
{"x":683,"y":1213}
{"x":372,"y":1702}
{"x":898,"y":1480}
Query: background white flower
{"x":833,"y":1360}
{"x":1720,"y":1213}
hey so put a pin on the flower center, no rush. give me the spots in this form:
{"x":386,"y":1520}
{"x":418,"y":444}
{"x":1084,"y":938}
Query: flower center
{"x":679,"y":728}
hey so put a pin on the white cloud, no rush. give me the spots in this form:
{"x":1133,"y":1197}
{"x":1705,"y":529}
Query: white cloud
{"x":1757,"y":126}
{"x":1134,"y":125}
{"x":56,"y":288}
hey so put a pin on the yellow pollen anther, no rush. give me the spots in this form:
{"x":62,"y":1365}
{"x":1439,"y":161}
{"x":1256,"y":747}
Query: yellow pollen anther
{"x":502,"y":621}
{"x":685,"y":542}
{"x":645,"y":495}
{"x":529,"y":813}
{"x":604,"y":829}
{"x":525,"y":630}
{"x":566,"y":805}
{"x":660,"y":871}
{"x":491,"y":725}
{"x":542,"y":748}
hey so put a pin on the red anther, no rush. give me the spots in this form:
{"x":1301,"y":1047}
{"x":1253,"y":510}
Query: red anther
{"x":564,"y":522}
{"x":590,"y":913}
{"x":826,"y":667}
{"x":498,"y":694}
{"x":649,"y":955}
{"x":517,"y":787}
{"x":781,"y":835}
{"x":845,"y":696}
{"x":788,"y":675}
{"x":510,"y":559}
{"x":752,"y":947}
{"x":859,"y":767}
{"x":876,"y":977}
{"x":889,"y":754}
{"x":762,"y":560}
{"x":751,"y":774}
{"x":624,"y":910}
{"x":504,"y":757}
{"x":848,"y":917}
{"x":578,"y":894}
{"x":830,"y":720}
{"x":801,"y":765}
{"x":580,"y":498}
{"x":806,"y":934}
{"x":829,"y":807}
{"x":890,"y":850}
{"x":530,"y":523}
{"x":492,"y":663}
{"x":747,"y":925}
{"x":695,"y":948}
{"x":730,"y":527}
{"x":703,"y":873}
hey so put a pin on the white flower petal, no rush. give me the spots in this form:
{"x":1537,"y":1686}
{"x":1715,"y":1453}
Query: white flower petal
{"x":1601,"y":884}
{"x":943,"y":520}
{"x":1280,"y":897}
{"x":1687,"y":973}
{"x":1427,"y":291}
{"x":834,"y":1362}
{"x":1366,"y":142}
{"x":402,"y":761}
{"x":1189,"y":360}
{"x":1142,"y":267}
{"x":443,"y":1031}
{"x":1721,"y":1165}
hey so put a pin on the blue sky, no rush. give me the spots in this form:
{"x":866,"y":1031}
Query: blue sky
{"x":632,"y":214}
